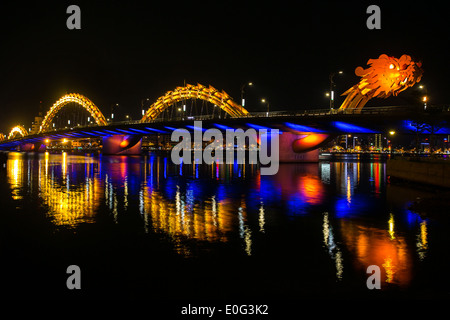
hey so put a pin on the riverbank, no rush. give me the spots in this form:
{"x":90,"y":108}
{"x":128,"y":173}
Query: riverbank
{"x":430,"y":171}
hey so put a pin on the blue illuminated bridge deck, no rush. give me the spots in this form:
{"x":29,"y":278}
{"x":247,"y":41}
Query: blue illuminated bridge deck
{"x":368,"y":120}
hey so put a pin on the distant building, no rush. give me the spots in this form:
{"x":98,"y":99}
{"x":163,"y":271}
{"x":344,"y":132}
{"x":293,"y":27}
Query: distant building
{"x":36,"y":124}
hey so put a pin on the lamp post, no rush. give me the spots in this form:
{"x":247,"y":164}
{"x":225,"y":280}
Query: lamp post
{"x":142,"y":106}
{"x":391,"y":133}
{"x":112,"y":111}
{"x":332,"y":85}
{"x":268,"y":106}
{"x":425,"y":97}
{"x":242,"y":93}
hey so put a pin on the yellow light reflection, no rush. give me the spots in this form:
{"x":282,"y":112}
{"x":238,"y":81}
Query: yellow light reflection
{"x":15,"y":166}
{"x":64,"y":165}
{"x":422,"y":240}
{"x":390,"y":269}
{"x":68,"y":205}
{"x":261,"y":218}
{"x":333,"y":250}
{"x":391,"y":227}
{"x":374,"y":246}
{"x":214,"y":221}
{"x":349,"y":190}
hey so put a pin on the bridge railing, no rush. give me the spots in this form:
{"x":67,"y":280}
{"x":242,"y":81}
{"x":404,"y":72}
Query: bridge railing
{"x":323,"y":112}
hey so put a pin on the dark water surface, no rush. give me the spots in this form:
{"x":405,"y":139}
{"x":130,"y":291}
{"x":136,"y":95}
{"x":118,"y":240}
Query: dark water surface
{"x":141,"y":227}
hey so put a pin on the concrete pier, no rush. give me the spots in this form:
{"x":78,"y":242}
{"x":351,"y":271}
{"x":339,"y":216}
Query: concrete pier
{"x":421,"y":170}
{"x":287,"y":154}
{"x":122,"y":144}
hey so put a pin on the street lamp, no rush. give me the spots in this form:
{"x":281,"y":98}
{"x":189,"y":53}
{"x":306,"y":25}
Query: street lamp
{"x":391,"y":133}
{"x":242,"y":92}
{"x":112,"y":111}
{"x":332,"y":88}
{"x":142,"y":106}
{"x":425,"y":97}
{"x":268,"y":106}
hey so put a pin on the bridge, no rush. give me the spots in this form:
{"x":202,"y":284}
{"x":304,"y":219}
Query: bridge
{"x":302,"y":131}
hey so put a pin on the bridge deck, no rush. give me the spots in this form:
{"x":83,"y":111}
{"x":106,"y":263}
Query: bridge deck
{"x":367,"y":120}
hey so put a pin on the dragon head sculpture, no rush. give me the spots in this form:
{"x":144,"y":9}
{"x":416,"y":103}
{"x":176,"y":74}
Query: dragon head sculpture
{"x":384,"y":77}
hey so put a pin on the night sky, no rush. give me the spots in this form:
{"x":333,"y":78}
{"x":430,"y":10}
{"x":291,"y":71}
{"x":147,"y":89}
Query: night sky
{"x":127,"y":51}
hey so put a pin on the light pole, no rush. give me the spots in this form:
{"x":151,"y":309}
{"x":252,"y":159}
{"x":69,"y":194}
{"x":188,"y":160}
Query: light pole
{"x":242,"y":92}
{"x":268,"y":106}
{"x":332,"y":88}
{"x":391,"y":133}
{"x":142,"y":106}
{"x":425,"y":97}
{"x":112,"y":111}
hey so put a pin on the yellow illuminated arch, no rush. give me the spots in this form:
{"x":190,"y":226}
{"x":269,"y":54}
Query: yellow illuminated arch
{"x":2,"y":136}
{"x":210,"y":94}
{"x":76,"y":98}
{"x":19,"y":130}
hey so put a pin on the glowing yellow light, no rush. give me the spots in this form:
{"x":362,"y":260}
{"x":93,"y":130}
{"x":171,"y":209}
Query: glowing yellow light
{"x":64,"y":140}
{"x":392,"y":132}
{"x":47,"y":140}
{"x":210,"y":94}
{"x":72,"y":98}
{"x":19,"y":130}
{"x":391,"y":66}
{"x":124,"y":143}
{"x":425,"y":99}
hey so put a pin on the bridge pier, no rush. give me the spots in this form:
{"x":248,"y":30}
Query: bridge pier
{"x":36,"y":147}
{"x":287,"y":153}
{"x":122,"y":144}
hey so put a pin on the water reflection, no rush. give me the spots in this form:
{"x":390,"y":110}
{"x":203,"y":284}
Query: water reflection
{"x":333,"y":250}
{"x":15,"y":175}
{"x":193,"y":205}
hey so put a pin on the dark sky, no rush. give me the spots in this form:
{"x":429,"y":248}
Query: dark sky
{"x":126,"y":51}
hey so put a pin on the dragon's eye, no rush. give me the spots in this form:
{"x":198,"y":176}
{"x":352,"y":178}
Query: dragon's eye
{"x":391,"y":66}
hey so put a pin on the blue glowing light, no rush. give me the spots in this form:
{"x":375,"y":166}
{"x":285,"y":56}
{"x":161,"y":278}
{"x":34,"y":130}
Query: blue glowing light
{"x":221,"y":126}
{"x":302,"y":128}
{"x":90,"y":133}
{"x":258,"y":127}
{"x":110,"y":131}
{"x":157,"y":130}
{"x":409,"y":125}
{"x":101,"y":133}
{"x":126,"y":131}
{"x":195,"y":128}
{"x":138,"y":130}
{"x":348,"y":127}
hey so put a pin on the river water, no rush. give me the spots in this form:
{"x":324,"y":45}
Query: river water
{"x":141,"y":227}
